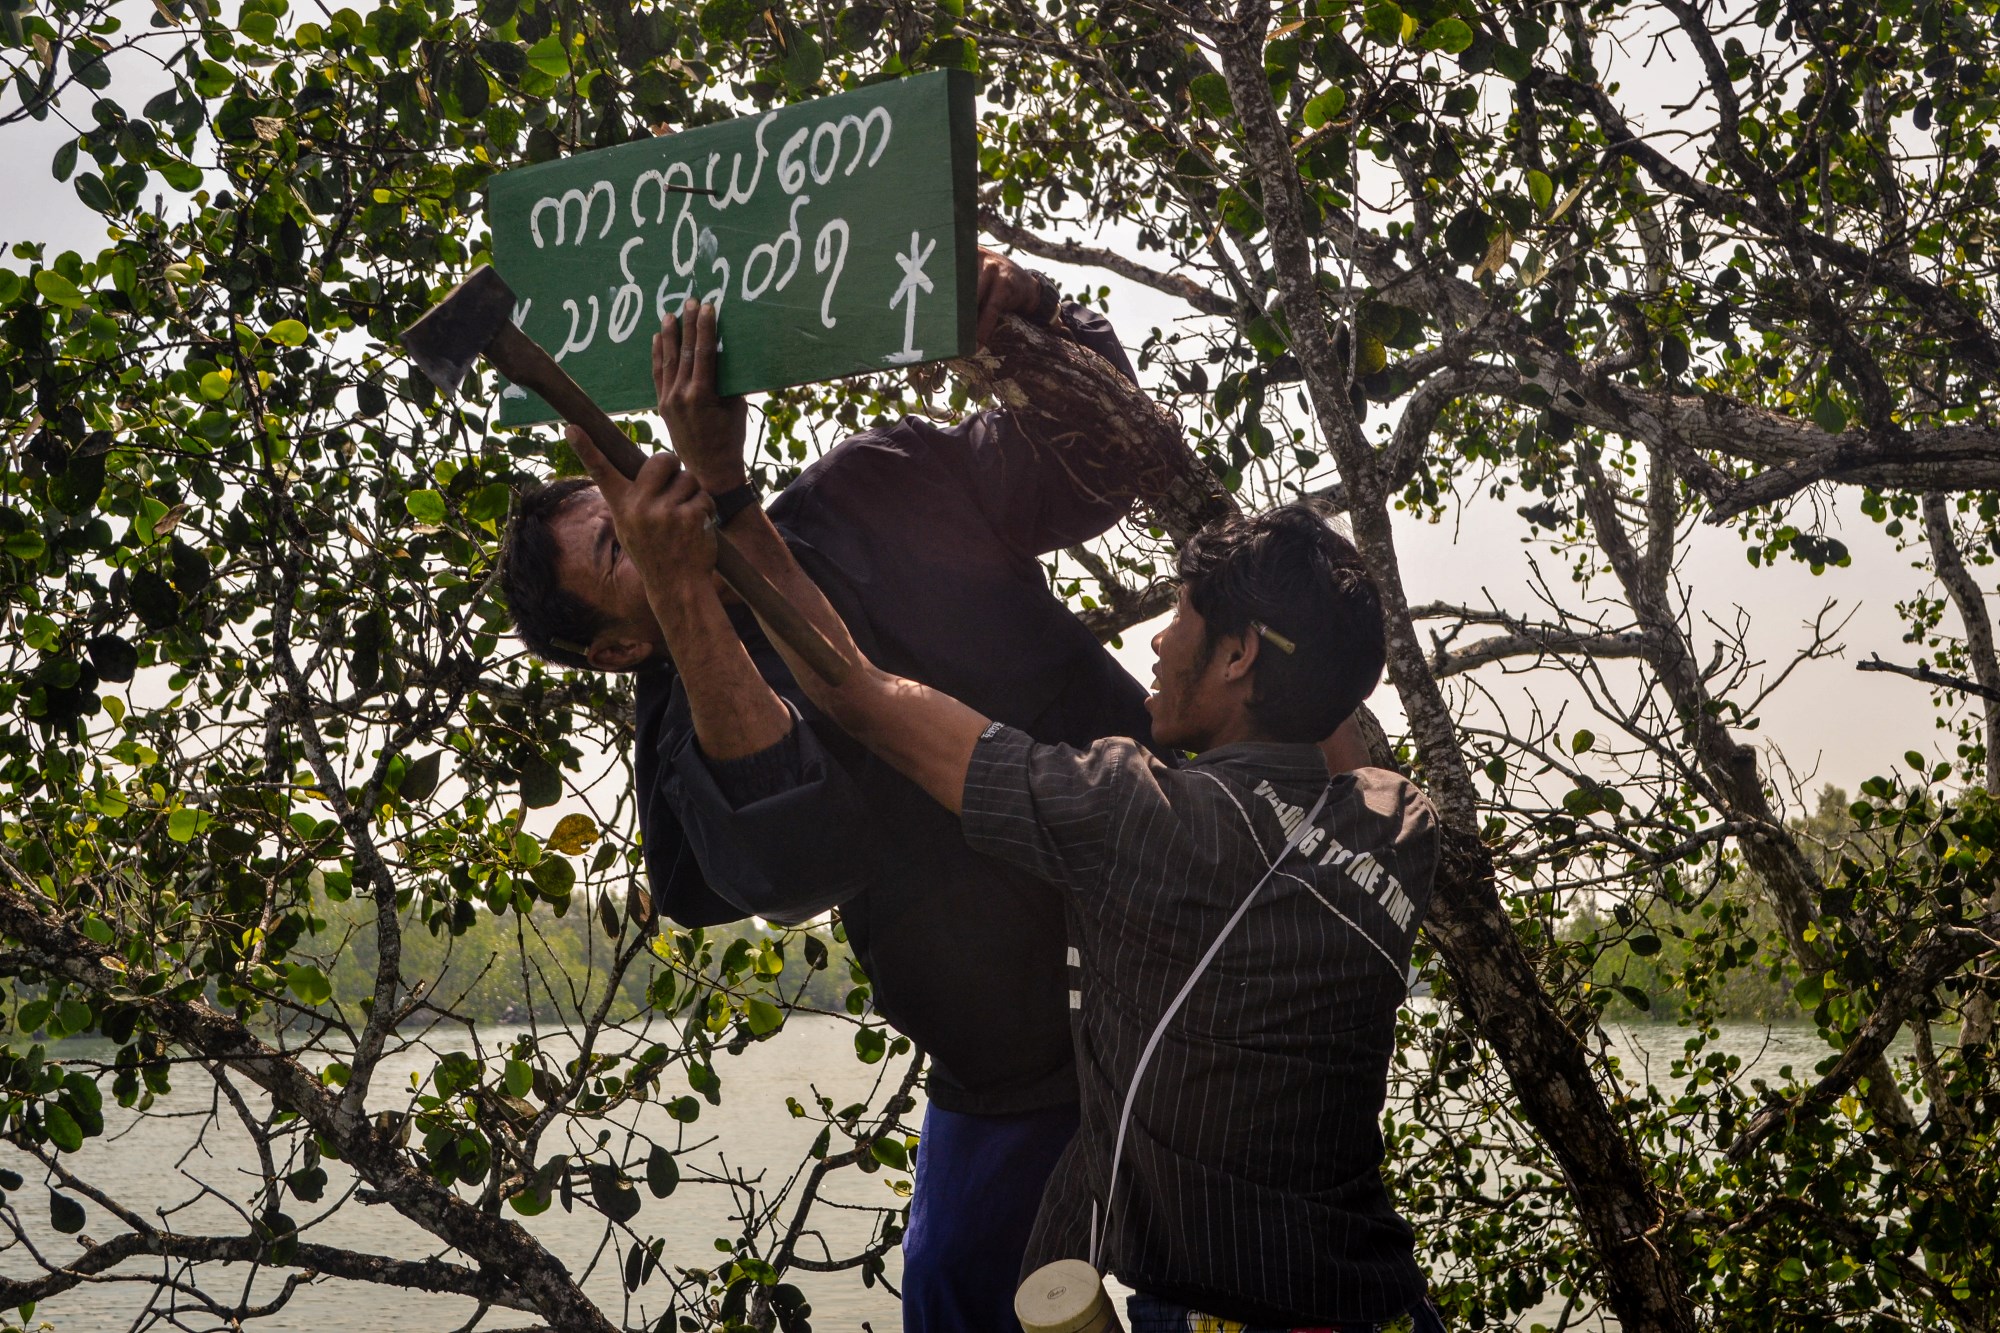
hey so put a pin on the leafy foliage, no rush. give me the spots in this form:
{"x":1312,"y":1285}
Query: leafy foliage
{"x":268,"y":748}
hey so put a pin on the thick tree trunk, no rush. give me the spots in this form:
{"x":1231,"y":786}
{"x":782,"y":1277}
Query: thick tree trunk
{"x":1096,"y":425}
{"x":1615,"y":1201}
{"x":1977,"y":1027}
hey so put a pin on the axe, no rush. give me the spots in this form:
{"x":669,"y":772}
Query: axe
{"x":477,"y":319}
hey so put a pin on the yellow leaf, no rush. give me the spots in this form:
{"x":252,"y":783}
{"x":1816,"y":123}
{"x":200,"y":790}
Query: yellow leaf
{"x":1496,"y":255}
{"x":1568,"y":199}
{"x":573,"y":833}
{"x":1291,"y":27}
{"x":1373,"y":357}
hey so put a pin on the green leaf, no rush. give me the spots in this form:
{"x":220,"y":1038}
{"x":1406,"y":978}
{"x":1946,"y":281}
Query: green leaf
{"x":308,"y":983}
{"x":308,"y":1183}
{"x":555,"y":877}
{"x":288,"y":333}
{"x":1447,"y":35}
{"x":612,"y":1193}
{"x":1540,"y":189}
{"x":65,"y":160}
{"x":869,"y":1045}
{"x":1582,"y":741}
{"x":57,"y":289}
{"x":1644,"y":945}
{"x":25,"y":545}
{"x":1810,"y":990}
{"x":64,"y":1132}
{"x":65,"y":1214}
{"x":1383,"y":22}
{"x":1465,"y":235}
{"x":87,"y":63}
{"x":421,"y":779}
{"x":489,"y":503}
{"x":890,"y":1152}
{"x":764,"y":1016}
{"x":158,"y":605}
{"x":520,"y":1078}
{"x":1829,"y":416}
{"x":183,"y":824}
{"x":427,"y":507}
{"x":1210,"y":92}
{"x":1674,"y":354}
{"x":663,"y":1173}
{"x":1325,"y":107}
{"x":541,"y":784}
{"x":549,"y":57}
{"x":805,"y":62}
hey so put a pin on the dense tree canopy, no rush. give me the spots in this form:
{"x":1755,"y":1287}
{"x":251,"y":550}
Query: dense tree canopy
{"x":1431,"y":255}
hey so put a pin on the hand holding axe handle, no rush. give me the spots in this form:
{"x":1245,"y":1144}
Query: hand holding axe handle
{"x":477,"y":319}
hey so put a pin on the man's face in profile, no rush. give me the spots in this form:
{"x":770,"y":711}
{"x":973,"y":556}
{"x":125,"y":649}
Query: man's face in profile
{"x":593,"y":566}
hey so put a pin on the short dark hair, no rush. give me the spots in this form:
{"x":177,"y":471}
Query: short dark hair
{"x":1292,"y":572}
{"x":553,"y":622}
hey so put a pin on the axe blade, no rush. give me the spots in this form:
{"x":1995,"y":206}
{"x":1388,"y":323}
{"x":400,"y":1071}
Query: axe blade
{"x":450,"y":337}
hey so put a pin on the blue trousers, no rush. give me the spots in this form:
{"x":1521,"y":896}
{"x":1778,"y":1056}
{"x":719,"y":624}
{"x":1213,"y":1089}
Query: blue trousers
{"x":979,"y":1182}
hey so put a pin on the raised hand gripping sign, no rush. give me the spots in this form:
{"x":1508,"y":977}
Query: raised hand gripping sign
{"x":835,"y":236}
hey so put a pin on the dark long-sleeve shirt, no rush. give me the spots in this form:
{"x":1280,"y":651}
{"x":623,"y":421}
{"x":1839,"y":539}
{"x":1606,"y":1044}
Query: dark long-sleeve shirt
{"x":927,"y":541}
{"x":1250,"y":1186}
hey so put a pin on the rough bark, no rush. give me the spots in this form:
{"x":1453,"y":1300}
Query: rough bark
{"x":1114,"y":439}
{"x":1615,"y":1202}
{"x":412,"y":1274}
{"x":1977,"y":1027}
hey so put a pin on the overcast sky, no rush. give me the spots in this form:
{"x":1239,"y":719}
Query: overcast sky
{"x":1831,"y":723}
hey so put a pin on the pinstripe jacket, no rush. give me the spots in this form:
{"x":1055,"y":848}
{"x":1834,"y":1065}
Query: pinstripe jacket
{"x":1251,"y":1183}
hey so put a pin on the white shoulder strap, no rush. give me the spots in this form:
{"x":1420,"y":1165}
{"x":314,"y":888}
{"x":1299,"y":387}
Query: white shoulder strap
{"x":1159,"y":1030}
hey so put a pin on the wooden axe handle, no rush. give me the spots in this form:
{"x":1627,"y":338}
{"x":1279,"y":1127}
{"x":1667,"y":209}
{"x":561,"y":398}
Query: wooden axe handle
{"x":525,"y":362}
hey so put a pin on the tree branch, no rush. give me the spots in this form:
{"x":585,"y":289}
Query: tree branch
{"x":1943,"y":951}
{"x":1091,"y":256}
{"x":68,"y":954}
{"x":414,"y":1275}
{"x":1928,"y":676}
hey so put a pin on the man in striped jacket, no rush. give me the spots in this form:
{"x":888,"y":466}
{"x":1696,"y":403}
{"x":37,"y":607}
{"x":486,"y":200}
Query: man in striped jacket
{"x":1234,"y":1173}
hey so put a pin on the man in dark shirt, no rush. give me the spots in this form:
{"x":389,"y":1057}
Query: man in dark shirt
{"x":1248,"y":1186}
{"x":928,"y":539}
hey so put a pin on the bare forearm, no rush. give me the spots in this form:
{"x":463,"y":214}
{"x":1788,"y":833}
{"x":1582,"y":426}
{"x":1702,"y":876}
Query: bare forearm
{"x":735,"y":712}
{"x":924,"y":734}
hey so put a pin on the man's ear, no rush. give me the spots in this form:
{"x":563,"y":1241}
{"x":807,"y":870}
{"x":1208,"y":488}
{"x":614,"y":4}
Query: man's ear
{"x":1239,"y":654}
{"x":614,"y":652}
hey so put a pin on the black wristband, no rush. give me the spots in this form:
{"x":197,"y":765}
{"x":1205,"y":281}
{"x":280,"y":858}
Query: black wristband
{"x":1050,"y":304}
{"x":733,"y":502}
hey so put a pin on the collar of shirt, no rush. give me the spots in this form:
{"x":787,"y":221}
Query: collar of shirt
{"x":1284,"y":759}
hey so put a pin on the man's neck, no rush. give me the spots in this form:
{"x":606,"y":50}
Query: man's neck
{"x":1239,"y":728}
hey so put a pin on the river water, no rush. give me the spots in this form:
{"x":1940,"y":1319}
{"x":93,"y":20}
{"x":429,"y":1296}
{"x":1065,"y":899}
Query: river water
{"x":180,"y":1152}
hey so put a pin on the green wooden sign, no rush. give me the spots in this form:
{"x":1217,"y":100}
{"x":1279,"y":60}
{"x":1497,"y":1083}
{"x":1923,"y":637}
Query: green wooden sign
{"x":835,"y":236}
